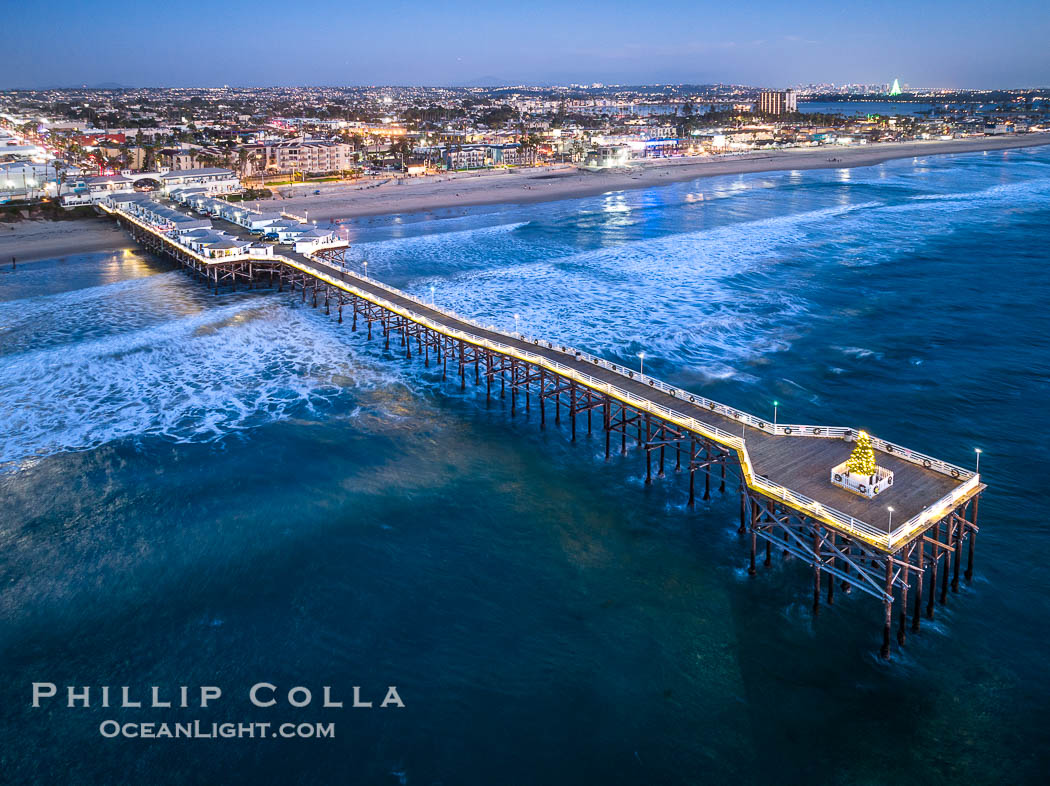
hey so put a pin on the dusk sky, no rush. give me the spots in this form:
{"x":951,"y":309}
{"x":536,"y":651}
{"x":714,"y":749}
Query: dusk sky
{"x":317,"y":42}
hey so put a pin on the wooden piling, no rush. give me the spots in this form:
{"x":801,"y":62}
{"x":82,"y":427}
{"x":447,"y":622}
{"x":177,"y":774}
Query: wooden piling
{"x":831,"y":576}
{"x":816,"y":573}
{"x":707,"y":471}
{"x":934,"y":559}
{"x":920,"y":571}
{"x":605,"y":417}
{"x":648,"y":453}
{"x":902,"y":628}
{"x":887,"y":604}
{"x":971,"y":540}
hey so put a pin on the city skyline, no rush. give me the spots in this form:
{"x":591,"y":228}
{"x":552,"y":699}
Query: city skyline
{"x":267,"y":44}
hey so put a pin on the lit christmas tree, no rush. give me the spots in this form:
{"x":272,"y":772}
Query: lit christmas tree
{"x":862,"y":459}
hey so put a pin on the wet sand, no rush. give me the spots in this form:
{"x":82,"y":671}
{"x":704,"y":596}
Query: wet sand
{"x":29,"y":241}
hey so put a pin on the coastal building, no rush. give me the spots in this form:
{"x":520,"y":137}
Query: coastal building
{"x":512,"y":154}
{"x":309,"y":156}
{"x":466,"y":157}
{"x":179,"y":184}
{"x":213,"y":180}
{"x":92,"y":190}
{"x":607,"y":156}
{"x":27,"y":180}
{"x":777,"y":102}
{"x":313,"y":240}
{"x":177,"y":158}
{"x":481,"y":156}
{"x":196,"y":234}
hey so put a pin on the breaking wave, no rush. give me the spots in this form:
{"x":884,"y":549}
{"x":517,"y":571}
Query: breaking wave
{"x":703,"y":299}
{"x":191,"y":378}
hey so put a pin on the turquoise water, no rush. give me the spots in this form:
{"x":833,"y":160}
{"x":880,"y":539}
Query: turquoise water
{"x":200,"y":490}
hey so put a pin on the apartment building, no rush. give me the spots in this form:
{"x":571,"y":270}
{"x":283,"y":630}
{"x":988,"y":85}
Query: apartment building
{"x":511,"y":155}
{"x":466,"y":157}
{"x":777,"y":102}
{"x":177,"y":158}
{"x":480,"y":156}
{"x":310,"y":156}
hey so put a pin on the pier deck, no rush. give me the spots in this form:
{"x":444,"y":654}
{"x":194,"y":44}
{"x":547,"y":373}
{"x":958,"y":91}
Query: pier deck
{"x":792,"y":459}
{"x":801,"y":463}
{"x":787,"y":498}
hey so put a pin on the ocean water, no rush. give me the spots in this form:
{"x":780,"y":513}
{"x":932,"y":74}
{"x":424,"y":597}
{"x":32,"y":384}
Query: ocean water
{"x":200,"y":490}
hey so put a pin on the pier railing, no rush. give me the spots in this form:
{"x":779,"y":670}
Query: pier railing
{"x":811,"y":507}
{"x":799,"y":502}
{"x":738,"y":415}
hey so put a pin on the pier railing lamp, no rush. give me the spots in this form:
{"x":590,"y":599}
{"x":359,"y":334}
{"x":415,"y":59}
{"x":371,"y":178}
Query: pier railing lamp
{"x":516,"y":318}
{"x":977,"y":470}
{"x":641,"y":364}
{"x":775,"y":405}
{"x":891,"y":518}
{"x":431,"y":294}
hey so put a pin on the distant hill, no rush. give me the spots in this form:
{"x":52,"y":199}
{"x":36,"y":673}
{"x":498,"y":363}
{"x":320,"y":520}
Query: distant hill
{"x":485,"y":81}
{"x":97,"y":86}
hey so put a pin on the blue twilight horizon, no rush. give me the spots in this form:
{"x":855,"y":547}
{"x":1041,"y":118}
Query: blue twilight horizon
{"x":321,"y":42}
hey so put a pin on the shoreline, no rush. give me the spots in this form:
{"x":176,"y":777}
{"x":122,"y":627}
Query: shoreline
{"x":36,"y":240}
{"x":562,"y":182}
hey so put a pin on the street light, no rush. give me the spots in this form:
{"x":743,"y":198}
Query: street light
{"x":516,"y":318}
{"x":641,"y":364}
{"x":891,"y":518}
{"x":431,"y":294}
{"x":365,"y":264}
{"x":775,"y":405}
{"x":978,"y":451}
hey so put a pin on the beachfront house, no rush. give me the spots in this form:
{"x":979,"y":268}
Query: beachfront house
{"x":313,"y":240}
{"x":213,"y":179}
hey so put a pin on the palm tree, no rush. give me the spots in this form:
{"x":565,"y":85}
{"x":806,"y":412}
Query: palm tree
{"x":529,"y":143}
{"x":60,"y":168}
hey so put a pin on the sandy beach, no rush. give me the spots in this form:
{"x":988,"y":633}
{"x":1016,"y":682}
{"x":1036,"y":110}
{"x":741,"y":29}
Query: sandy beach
{"x":29,"y":241}
{"x":542,"y":184}
{"x":35,"y":240}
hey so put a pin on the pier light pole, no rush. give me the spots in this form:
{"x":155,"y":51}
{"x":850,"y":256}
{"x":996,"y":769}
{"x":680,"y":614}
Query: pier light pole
{"x":431,"y":294}
{"x":364,"y":264}
{"x":978,"y":451}
{"x":641,"y":364}
{"x":516,"y":331}
{"x":775,"y":405}
{"x":891,"y":518}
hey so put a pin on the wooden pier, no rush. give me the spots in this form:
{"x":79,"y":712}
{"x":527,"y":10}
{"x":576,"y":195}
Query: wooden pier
{"x":780,"y":471}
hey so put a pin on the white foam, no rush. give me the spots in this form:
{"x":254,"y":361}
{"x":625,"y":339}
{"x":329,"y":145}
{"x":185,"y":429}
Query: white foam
{"x":679,"y":297}
{"x":192,"y":378}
